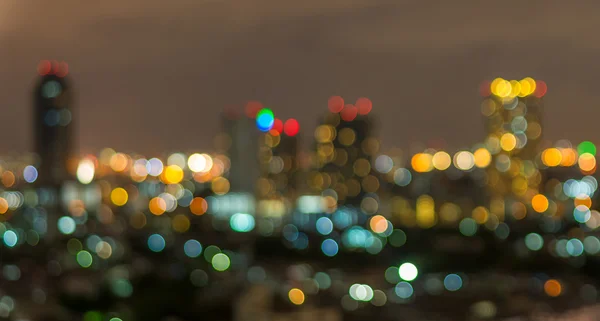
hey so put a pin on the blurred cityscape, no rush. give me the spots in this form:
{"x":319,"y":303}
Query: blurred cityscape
{"x":268,"y":227}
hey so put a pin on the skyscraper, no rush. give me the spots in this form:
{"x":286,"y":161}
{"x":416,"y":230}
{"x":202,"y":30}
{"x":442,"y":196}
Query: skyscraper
{"x":345,"y":147}
{"x":53,"y":128}
{"x":240,"y":141}
{"x":513,"y":115}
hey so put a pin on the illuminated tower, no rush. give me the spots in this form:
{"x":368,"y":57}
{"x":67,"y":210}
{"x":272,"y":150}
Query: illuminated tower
{"x":513,"y":121}
{"x":344,"y":152}
{"x":279,"y":160}
{"x":53,"y":128}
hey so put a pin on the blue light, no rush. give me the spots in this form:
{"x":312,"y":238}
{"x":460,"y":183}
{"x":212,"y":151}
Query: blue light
{"x":301,"y":242}
{"x":242,"y":222}
{"x":453,"y":282}
{"x":30,"y":174}
{"x":329,"y":247}
{"x":324,"y":226}
{"x":404,"y":290}
{"x":156,"y":243}
{"x":10,"y":238}
{"x":575,"y":247}
{"x":66,"y":225}
{"x":582,"y":214}
{"x":192,"y":248}
{"x":265,"y":120}
{"x":290,"y":232}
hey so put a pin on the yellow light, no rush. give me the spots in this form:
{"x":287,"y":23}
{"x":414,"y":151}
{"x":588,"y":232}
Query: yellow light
{"x":425,"y":215}
{"x":483,"y":158}
{"x":464,"y":160}
{"x":508,"y":142}
{"x":220,"y":185}
{"x":501,"y":88}
{"x":552,"y":157}
{"x":119,"y":196}
{"x":441,"y":161}
{"x":532,"y":85}
{"x":587,"y":162}
{"x":157,"y":206}
{"x":173,"y":174}
{"x":515,"y":87}
{"x":422,"y":162}
{"x":296,"y":296}
{"x":480,"y":214}
{"x":525,"y":88}
{"x":539,"y":203}
{"x":378,"y":224}
{"x":180,"y":223}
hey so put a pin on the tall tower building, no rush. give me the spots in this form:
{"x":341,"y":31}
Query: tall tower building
{"x":345,"y":148}
{"x":513,"y":122}
{"x":279,"y":160}
{"x":52,"y":123}
{"x":240,"y":141}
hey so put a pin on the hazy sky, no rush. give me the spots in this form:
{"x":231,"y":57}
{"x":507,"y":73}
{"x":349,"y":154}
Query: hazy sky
{"x":153,"y":75}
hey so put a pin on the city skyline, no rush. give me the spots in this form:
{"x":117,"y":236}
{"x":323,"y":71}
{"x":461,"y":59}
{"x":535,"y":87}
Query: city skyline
{"x":117,"y":89}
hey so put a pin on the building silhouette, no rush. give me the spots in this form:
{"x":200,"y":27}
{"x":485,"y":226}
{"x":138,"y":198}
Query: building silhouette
{"x":53,"y":126}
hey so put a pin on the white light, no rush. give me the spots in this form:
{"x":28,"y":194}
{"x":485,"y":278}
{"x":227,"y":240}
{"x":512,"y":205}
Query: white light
{"x":408,"y":271}
{"x":85,"y":171}
{"x":200,"y":163}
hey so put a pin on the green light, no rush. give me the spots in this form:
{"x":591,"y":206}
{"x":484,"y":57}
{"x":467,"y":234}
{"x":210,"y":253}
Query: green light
{"x":84,"y":258}
{"x":220,"y":262}
{"x":265,"y":112}
{"x":115,"y":319}
{"x":92,"y":316}
{"x":210,"y":252}
{"x":586,"y":147}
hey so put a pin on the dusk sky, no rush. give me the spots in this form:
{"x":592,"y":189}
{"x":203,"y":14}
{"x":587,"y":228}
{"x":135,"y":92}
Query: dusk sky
{"x":154,"y":75}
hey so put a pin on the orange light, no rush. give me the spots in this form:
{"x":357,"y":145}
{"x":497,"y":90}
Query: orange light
{"x":583,"y":200}
{"x":587,"y":162}
{"x":378,"y":224}
{"x":3,"y":206}
{"x":552,"y":288}
{"x":157,"y":206}
{"x":539,"y":203}
{"x":422,"y":162}
{"x":198,"y":206}
{"x":296,"y":296}
{"x":552,"y":157}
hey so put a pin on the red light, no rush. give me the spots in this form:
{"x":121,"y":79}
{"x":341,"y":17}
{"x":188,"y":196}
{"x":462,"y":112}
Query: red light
{"x":485,"y":89}
{"x":349,"y":112}
{"x":277,"y":126}
{"x":44,"y":67}
{"x":291,"y":127}
{"x":364,"y":105}
{"x":540,"y":88}
{"x":55,"y":65}
{"x":62,"y":70}
{"x":335,"y":104}
{"x":252,"y":108}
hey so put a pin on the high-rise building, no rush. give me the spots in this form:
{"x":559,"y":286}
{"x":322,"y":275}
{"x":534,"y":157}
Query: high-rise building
{"x":53,"y":127}
{"x":240,"y":142}
{"x":513,"y":121}
{"x":345,"y":149}
{"x":279,"y":161}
